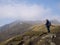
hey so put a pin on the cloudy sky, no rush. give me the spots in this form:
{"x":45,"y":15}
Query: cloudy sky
{"x":11,"y":10}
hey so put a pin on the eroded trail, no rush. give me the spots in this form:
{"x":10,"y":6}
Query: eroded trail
{"x":42,"y":39}
{"x":37,"y":38}
{"x":47,"y":39}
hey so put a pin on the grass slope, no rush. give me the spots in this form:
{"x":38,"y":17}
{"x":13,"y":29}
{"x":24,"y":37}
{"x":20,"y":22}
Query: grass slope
{"x":32,"y":36}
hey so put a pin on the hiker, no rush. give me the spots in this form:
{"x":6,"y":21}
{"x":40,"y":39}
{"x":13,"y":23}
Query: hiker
{"x":48,"y":24}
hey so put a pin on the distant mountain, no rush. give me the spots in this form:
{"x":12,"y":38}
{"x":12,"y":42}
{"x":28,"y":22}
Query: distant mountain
{"x":12,"y":29}
{"x":56,"y":22}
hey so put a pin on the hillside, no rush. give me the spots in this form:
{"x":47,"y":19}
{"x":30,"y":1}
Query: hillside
{"x":37,"y":35}
{"x":9,"y":30}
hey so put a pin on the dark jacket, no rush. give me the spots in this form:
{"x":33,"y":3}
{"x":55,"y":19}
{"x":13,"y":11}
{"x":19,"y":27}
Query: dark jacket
{"x":48,"y":23}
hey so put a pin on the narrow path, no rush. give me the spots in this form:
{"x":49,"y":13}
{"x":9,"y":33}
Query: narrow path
{"x":21,"y":43}
{"x":48,"y":39}
{"x":36,"y":39}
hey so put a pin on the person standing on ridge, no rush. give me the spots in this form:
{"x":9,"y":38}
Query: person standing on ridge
{"x":48,"y":24}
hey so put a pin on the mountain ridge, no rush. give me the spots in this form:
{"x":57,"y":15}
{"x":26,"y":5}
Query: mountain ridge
{"x":34,"y":33}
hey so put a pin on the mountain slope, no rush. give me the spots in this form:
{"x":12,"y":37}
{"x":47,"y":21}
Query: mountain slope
{"x":37,"y":35}
{"x":13,"y":29}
